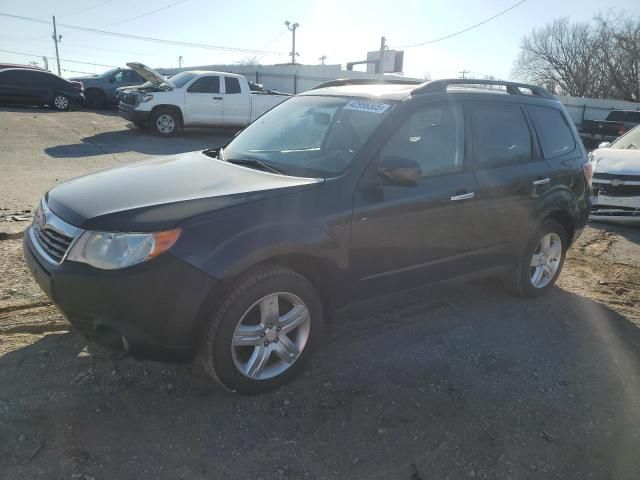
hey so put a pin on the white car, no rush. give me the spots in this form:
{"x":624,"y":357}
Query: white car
{"x":615,"y":192}
{"x":193,"y":99}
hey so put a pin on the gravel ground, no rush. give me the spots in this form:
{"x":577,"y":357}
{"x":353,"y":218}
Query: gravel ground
{"x":461,"y":381}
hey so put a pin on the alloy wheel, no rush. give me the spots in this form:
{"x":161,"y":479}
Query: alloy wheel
{"x":545,"y":260}
{"x":271,"y":336}
{"x":61,"y":102}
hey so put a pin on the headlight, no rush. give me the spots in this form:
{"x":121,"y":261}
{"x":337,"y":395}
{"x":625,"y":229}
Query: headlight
{"x":146,"y":98}
{"x":112,"y":250}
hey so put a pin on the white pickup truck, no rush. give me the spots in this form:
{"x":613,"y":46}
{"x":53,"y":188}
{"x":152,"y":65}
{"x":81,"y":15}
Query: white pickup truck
{"x":192,"y":99}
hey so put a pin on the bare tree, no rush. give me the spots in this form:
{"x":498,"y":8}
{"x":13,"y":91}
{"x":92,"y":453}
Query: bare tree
{"x":560,"y":55}
{"x":619,"y":37}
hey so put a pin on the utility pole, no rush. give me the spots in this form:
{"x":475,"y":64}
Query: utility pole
{"x":56,"y":40}
{"x":292,"y":28}
{"x":463,"y":73}
{"x":383,"y":47}
{"x":322,"y":59}
{"x":180,"y":61}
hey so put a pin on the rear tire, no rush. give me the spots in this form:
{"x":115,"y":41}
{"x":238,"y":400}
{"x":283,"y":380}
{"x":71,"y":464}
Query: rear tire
{"x":95,"y":99}
{"x":165,"y":122}
{"x":539,"y":266}
{"x":263,"y":332}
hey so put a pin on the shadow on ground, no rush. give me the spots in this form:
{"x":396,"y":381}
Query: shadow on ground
{"x":142,"y":141}
{"x":461,"y":382}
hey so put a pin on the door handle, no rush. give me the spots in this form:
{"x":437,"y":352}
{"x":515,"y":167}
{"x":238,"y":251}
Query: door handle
{"x":541,"y":181}
{"x":463,"y":196}
{"x":217,"y":98}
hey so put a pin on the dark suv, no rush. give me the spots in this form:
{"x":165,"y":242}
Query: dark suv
{"x":26,"y":86}
{"x":240,"y":253}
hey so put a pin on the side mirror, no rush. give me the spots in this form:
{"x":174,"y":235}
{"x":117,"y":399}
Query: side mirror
{"x":112,"y":79}
{"x":399,"y":171}
{"x":604,"y":145}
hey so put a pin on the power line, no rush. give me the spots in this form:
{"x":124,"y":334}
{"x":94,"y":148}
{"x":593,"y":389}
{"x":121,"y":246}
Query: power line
{"x":462,"y":31}
{"x":146,"y":39}
{"x":62,"y":59}
{"x":143,"y":14}
{"x":33,"y":39}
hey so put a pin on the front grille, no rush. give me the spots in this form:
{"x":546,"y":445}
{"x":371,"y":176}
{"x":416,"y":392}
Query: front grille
{"x":129,"y":98}
{"x":611,"y":190}
{"x":53,"y":243}
{"x":613,"y":176}
{"x":51,"y":236}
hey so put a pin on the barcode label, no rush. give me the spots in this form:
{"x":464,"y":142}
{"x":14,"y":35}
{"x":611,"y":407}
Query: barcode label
{"x":366,"y":106}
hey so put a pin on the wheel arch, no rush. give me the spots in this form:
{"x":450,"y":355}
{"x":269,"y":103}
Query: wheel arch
{"x":564,"y":219}
{"x":319,"y":272}
{"x":173,"y":108}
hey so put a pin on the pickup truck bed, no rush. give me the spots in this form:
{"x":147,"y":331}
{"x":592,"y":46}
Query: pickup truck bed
{"x":617,"y":123}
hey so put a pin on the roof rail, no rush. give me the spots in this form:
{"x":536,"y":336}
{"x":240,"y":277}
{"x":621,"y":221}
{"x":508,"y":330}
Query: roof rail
{"x":513,"y":88}
{"x":340,"y":82}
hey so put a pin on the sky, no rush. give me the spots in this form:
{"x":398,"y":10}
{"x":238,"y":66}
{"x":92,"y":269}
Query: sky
{"x":342,"y":30}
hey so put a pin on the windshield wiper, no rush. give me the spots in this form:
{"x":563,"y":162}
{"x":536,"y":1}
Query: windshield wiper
{"x":256,"y":164}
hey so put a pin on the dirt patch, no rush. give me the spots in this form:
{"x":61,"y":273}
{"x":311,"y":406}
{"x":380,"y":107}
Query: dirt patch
{"x":603,"y":266}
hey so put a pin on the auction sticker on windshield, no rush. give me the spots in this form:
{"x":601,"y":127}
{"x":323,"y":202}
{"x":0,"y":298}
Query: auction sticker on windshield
{"x":366,"y":106}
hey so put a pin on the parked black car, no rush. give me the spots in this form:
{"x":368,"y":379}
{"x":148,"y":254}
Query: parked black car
{"x":241,"y":253}
{"x":22,"y":86}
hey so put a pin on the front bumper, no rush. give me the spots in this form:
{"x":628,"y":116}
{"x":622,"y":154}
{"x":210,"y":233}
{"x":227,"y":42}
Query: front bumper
{"x":128,"y":112}
{"x":615,"y":209}
{"x":159,"y":306}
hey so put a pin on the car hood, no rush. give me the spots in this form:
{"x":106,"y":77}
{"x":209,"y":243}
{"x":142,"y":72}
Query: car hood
{"x":617,"y":161}
{"x":149,"y":74}
{"x":159,"y":193}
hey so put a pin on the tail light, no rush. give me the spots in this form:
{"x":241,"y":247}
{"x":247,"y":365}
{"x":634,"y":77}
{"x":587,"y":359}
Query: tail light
{"x":620,"y":130}
{"x":587,"y":169}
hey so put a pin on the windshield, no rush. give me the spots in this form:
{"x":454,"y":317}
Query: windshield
{"x":630,"y":140}
{"x":310,"y":136}
{"x":108,"y":73}
{"x":181,"y":79}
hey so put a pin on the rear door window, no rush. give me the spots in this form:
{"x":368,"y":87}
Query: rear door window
{"x":231,"y":85}
{"x":553,"y":131}
{"x":205,"y":85}
{"x":501,"y":136}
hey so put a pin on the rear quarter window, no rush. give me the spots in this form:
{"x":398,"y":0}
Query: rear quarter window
{"x":553,"y":131}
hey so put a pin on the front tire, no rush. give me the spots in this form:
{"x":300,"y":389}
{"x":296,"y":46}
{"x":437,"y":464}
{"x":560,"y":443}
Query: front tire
{"x":165,"y":122}
{"x":60,"y":102}
{"x":264,"y":331}
{"x":539,"y":267}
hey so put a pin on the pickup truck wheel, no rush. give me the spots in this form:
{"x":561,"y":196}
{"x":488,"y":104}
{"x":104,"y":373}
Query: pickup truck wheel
{"x":165,"y":122}
{"x":94,"y":98}
{"x":539,"y":267}
{"x":263,"y":332}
